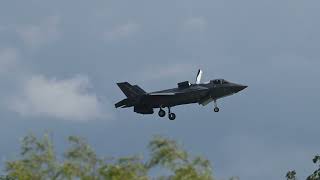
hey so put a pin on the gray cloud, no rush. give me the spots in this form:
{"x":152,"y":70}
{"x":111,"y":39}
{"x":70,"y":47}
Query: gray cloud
{"x":272,"y":46}
{"x":122,"y":31}
{"x":37,"y":95}
{"x":196,"y":24}
{"x":8,"y":59}
{"x":37,"y":35}
{"x":164,"y":71}
{"x":67,"y":99}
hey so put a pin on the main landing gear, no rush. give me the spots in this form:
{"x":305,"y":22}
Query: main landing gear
{"x":171,"y":115}
{"x":162,"y":113}
{"x":216,"y":109}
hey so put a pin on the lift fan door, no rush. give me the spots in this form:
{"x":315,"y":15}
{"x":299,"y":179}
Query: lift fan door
{"x":183,"y":85}
{"x":199,"y":76}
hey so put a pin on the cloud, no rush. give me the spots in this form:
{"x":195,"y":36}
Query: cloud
{"x":2,"y":28}
{"x":167,"y":71}
{"x":195,"y":24}
{"x":35,"y":36}
{"x":67,"y":99}
{"x":122,"y":31}
{"x":8,"y":59}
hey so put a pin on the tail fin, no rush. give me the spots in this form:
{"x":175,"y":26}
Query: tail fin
{"x":131,"y":91}
{"x":139,"y":90}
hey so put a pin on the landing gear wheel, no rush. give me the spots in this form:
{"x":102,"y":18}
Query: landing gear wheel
{"x":172,"y":116}
{"x":216,"y":109}
{"x":162,"y":113}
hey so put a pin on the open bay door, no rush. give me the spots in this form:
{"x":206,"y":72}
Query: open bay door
{"x":199,"y":76}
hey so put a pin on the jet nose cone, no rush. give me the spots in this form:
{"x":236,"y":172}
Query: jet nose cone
{"x":243,"y":87}
{"x":239,"y":88}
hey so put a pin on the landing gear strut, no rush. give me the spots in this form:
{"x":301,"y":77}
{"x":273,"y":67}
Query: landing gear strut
{"x":216,"y":109}
{"x":171,"y":115}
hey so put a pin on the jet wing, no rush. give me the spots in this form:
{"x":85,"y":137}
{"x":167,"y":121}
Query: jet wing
{"x":206,"y":101}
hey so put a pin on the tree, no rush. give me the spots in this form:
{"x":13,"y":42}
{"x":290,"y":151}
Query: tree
{"x":291,"y":175}
{"x":168,"y":154}
{"x":316,"y":174}
{"x":38,"y":161}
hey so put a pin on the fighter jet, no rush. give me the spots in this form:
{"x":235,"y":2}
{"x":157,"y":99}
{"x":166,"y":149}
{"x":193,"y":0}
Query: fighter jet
{"x":186,"y":93}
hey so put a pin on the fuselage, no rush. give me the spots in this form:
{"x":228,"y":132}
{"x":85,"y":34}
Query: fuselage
{"x":186,"y":93}
{"x":192,"y":94}
{"x":179,"y":96}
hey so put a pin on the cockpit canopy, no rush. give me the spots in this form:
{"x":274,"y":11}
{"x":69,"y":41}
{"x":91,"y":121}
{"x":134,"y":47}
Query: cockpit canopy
{"x":219,"y":81}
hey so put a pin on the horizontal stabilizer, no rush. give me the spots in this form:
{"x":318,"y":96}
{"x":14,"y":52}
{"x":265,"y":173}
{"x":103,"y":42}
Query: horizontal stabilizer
{"x":121,"y":103}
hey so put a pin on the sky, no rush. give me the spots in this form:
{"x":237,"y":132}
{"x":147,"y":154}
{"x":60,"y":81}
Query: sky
{"x":60,"y":62}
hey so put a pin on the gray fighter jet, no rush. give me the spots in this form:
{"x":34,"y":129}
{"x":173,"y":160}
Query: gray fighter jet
{"x":185,"y":93}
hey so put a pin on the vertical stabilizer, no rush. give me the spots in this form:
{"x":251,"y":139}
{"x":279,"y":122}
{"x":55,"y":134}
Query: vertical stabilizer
{"x":130,"y":91}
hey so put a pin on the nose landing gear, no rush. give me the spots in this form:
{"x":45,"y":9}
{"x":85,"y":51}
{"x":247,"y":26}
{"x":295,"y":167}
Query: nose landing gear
{"x":216,"y":109}
{"x":172,"y":116}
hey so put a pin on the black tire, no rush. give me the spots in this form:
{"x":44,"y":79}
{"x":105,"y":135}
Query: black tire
{"x":172,"y":116}
{"x":162,"y":113}
{"x":216,"y":109}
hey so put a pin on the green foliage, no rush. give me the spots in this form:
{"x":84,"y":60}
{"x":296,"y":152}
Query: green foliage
{"x":80,"y":160}
{"x":316,"y":174}
{"x":168,"y":154}
{"x":125,"y":168}
{"x":6,"y":178}
{"x":38,"y":161}
{"x":291,"y":175}
{"x":234,"y":178}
